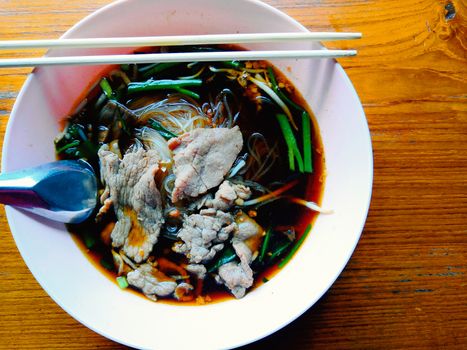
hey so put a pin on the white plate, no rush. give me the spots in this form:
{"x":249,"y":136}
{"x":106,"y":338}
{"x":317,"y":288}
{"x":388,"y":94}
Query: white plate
{"x":80,"y":289}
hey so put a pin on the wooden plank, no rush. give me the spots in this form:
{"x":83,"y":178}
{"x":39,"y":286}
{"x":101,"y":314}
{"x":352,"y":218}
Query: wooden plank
{"x":405,"y":285}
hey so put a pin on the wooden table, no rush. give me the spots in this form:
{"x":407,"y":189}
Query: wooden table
{"x":405,"y":286}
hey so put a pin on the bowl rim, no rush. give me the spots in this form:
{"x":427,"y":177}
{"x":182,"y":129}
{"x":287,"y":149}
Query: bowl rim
{"x":350,"y":88}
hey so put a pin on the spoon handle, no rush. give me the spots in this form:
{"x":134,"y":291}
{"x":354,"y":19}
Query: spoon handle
{"x":17,"y":189}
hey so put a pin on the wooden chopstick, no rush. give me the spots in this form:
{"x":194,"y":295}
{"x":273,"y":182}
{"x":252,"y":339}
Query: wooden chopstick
{"x":177,"y":40}
{"x":173,"y":57}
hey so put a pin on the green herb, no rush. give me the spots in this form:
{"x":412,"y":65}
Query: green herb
{"x":232,"y":64}
{"x":228,"y":255}
{"x":295,"y":247}
{"x":89,"y":239}
{"x":306,"y":123}
{"x":291,"y":142}
{"x":265,"y":280}
{"x":188,"y":93}
{"x":279,"y":250}
{"x":165,"y":133}
{"x":122,"y":282}
{"x":107,"y":264}
{"x":67,"y":146}
{"x":265,"y":245}
{"x":105,"y":86}
{"x":306,"y":132}
{"x":153,"y":85}
{"x":279,"y":92}
{"x":74,"y":144}
{"x":156,"y":68}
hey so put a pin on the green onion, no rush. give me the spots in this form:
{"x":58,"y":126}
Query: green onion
{"x":152,"y":85}
{"x":306,"y":132}
{"x":165,"y":133}
{"x":263,"y":86}
{"x":122,"y":282}
{"x":279,"y":92}
{"x":291,"y":158}
{"x":227,"y":256}
{"x":106,"y":264}
{"x":265,"y":280}
{"x":306,"y":125}
{"x":105,"y":86}
{"x":291,"y":142}
{"x":232,"y":64}
{"x":188,"y":93}
{"x":89,"y":240}
{"x":264,"y":247}
{"x":279,"y":250}
{"x":295,"y":247}
{"x":156,"y":68}
{"x":71,"y":144}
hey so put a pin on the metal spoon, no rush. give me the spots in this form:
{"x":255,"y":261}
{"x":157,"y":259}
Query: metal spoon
{"x":64,"y":191}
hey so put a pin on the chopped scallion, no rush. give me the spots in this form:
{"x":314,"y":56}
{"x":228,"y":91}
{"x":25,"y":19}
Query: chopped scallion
{"x":89,"y":240}
{"x":279,"y":250}
{"x":156,"y":68}
{"x":227,"y":255}
{"x":107,"y":264}
{"x":293,"y":151}
{"x":153,"y":85}
{"x":306,"y":132}
{"x":279,"y":92}
{"x":71,"y":144}
{"x":188,"y":93}
{"x":295,"y":247}
{"x":165,"y":133}
{"x":265,"y":245}
{"x":232,"y":64}
{"x":105,"y":86}
{"x":122,"y":282}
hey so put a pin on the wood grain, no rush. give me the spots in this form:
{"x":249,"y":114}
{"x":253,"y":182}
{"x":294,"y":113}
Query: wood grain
{"x":405,"y":286}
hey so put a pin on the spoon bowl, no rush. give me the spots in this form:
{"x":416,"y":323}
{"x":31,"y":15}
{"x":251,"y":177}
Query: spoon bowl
{"x":64,"y":191}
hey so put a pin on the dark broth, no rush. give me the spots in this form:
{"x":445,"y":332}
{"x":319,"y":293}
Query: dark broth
{"x":278,"y":213}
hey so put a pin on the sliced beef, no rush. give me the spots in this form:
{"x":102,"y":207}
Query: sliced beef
{"x":202,"y":158}
{"x":227,"y":195}
{"x":238,"y":277}
{"x":151,"y":281}
{"x":198,"y":270}
{"x":202,"y":235}
{"x":249,"y":231}
{"x":131,"y":188}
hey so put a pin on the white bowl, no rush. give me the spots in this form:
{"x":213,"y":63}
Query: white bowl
{"x":80,"y":289}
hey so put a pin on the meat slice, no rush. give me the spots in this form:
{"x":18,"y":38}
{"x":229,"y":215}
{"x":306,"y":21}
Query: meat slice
{"x":227,"y":195}
{"x":202,"y":158}
{"x":202,"y":235}
{"x":131,"y":188}
{"x":238,"y":277}
{"x":151,"y":281}
{"x":198,"y":270}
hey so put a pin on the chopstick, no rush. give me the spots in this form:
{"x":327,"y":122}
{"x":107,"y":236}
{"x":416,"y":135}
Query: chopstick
{"x":173,"y":57}
{"x":177,"y":40}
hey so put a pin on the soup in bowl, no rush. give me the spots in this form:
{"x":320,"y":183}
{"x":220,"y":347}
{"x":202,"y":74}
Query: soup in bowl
{"x":246,"y":125}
